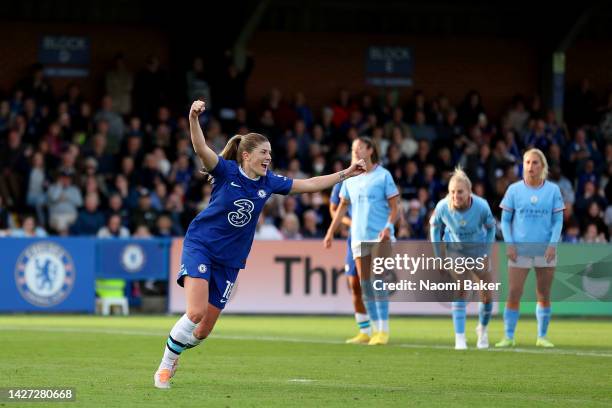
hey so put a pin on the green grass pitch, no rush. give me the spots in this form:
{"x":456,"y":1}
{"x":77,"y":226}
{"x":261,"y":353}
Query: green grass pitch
{"x":261,"y":361}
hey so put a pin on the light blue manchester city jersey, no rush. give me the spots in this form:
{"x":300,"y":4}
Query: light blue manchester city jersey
{"x":532,"y":210}
{"x":368,"y":194}
{"x":467,"y":225}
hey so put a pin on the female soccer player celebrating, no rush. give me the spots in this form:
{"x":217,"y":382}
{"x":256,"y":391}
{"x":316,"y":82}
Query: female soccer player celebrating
{"x":373,"y":198}
{"x":532,"y":213}
{"x":219,"y":239}
{"x":467,"y":218}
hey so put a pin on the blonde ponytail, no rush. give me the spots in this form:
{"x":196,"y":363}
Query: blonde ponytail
{"x":230,"y":151}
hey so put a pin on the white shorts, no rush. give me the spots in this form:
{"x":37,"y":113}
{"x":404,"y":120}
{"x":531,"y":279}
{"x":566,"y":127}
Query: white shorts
{"x":361,"y":250}
{"x":528,"y":262}
{"x":364,"y":250}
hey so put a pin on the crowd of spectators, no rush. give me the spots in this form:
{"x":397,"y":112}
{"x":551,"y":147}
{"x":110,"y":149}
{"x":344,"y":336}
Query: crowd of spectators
{"x":123,"y":165}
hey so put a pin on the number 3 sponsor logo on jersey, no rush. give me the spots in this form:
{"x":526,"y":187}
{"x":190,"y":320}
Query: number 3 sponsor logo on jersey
{"x":242,"y":215}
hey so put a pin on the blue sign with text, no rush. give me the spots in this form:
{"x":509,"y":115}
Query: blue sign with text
{"x":64,"y":56}
{"x":389,"y":66}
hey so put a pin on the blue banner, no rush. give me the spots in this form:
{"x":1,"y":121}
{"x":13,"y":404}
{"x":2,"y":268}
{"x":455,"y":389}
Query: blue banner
{"x":63,"y":49}
{"x":132,"y":259}
{"x":47,"y":275}
{"x":64,"y":56}
{"x":389,"y":66}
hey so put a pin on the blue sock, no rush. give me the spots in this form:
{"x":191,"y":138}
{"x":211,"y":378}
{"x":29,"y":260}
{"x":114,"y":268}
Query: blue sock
{"x":484,"y":313}
{"x":369,"y":300}
{"x":543,"y":317}
{"x":382,"y":306}
{"x":458,"y":308}
{"x":511,"y":317}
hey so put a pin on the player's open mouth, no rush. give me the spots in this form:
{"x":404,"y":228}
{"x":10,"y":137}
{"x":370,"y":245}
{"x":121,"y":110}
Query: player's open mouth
{"x":265,"y":165}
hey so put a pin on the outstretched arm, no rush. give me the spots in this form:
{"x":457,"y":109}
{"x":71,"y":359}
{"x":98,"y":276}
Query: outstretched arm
{"x":324,"y":182}
{"x":205,"y":153}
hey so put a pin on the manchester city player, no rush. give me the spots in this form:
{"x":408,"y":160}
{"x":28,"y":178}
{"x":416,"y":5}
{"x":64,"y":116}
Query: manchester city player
{"x":219,"y":239}
{"x":374,"y":204}
{"x":532,"y":214}
{"x":466,"y":218}
{"x":361,"y":315}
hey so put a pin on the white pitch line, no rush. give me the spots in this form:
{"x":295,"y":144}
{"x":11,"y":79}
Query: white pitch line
{"x":557,"y":351}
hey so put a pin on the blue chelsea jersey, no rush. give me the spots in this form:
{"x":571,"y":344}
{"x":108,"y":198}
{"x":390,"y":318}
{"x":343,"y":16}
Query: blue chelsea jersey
{"x":225,"y":229}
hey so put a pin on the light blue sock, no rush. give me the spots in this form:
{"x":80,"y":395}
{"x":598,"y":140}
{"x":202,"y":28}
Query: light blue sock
{"x":369,"y":300}
{"x":543,"y":317}
{"x":372,"y":310}
{"x":484,"y":313}
{"x":458,"y":308}
{"x":382,"y":306}
{"x":511,"y":317}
